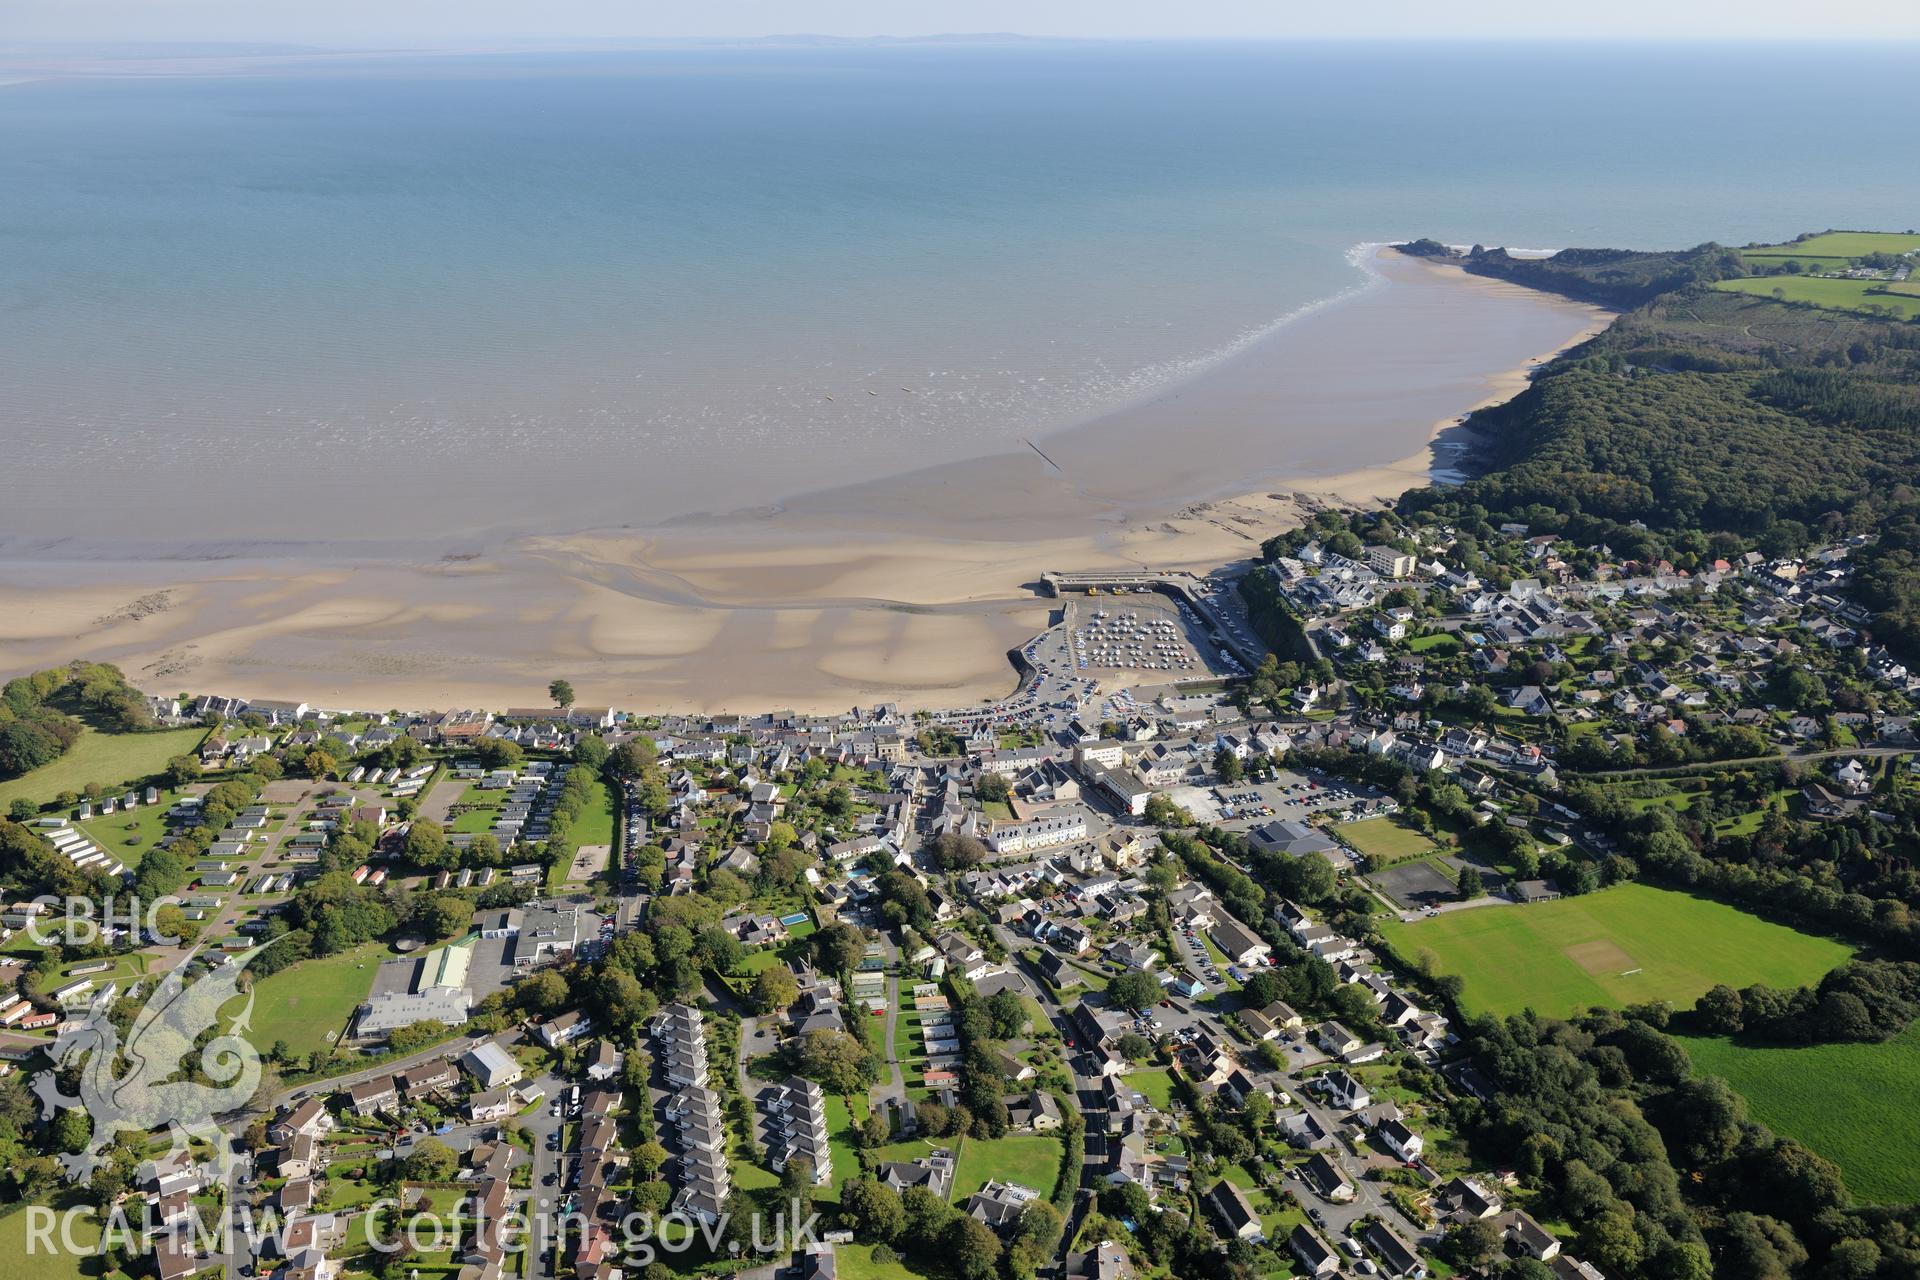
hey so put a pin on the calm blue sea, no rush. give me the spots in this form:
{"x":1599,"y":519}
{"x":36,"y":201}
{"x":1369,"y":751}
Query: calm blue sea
{"x":396,"y":296}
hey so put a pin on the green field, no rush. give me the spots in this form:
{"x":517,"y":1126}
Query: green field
{"x":1839,"y":244}
{"x":1835,"y":295}
{"x":855,"y":1262}
{"x":1155,"y":1086}
{"x":1279,"y":1214}
{"x":44,"y":1263}
{"x":1385,"y":840}
{"x":111,"y":759}
{"x":127,"y":836}
{"x":124,"y":969}
{"x":595,"y":823}
{"x":479,"y":819}
{"x":1031,"y":1161}
{"x":1835,"y":1099}
{"x":308,"y":1004}
{"x":846,"y":1159}
{"x":1625,"y":945}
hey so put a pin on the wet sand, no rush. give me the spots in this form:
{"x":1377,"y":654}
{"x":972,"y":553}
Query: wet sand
{"x":909,"y":589}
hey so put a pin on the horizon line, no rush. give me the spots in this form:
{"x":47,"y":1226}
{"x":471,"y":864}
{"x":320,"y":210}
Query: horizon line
{"x":424,"y":43}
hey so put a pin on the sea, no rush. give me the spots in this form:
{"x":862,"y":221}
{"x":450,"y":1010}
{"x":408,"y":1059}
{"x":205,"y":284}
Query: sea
{"x":385,"y":297}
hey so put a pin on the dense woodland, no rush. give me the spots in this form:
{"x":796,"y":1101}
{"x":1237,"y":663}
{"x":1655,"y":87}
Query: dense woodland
{"x":1706,"y":423}
{"x":1610,"y":277}
{"x":35,"y":725}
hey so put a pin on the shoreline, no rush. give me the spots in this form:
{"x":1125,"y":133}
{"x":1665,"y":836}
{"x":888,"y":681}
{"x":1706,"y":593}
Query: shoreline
{"x":909,"y":589}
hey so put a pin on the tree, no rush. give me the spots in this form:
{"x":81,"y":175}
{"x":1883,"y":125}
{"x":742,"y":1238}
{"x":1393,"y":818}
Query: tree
{"x":1471,"y":1244}
{"x":839,"y":947}
{"x":1721,"y":1012}
{"x":971,"y":1248}
{"x":1040,"y":1223}
{"x":1707,"y":1121}
{"x":72,"y":1130}
{"x":1006,"y":1014}
{"x":1309,"y":878}
{"x":1163,"y":812}
{"x":721,"y":950}
{"x":775,"y":988}
{"x":796,"y":1183}
{"x":925,"y":1216}
{"x":545,"y":992}
{"x":431,"y":1160}
{"x":1134,"y":990}
{"x":958,"y":852}
{"x":1759,"y":1248}
{"x":562,"y":694}
{"x":993,"y":788}
{"x":837,"y":1060}
{"x":181,"y":770}
{"x":932,"y":1117}
{"x":874,"y":1209}
{"x":440,"y":915}
{"x":1228,"y":766}
{"x":1471,"y":886}
{"x":25,"y":746}
{"x":648,"y":1159}
{"x":1134,"y":1047}
{"x":427,"y":847}
{"x":874,"y":1131}
{"x":23,"y":810}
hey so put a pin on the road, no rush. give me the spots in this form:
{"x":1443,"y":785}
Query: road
{"x":894,"y":1092}
{"x":332,"y":1084}
{"x":548,"y":1163}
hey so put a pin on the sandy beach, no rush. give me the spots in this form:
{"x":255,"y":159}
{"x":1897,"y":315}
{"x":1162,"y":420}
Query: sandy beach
{"x":910,"y":589}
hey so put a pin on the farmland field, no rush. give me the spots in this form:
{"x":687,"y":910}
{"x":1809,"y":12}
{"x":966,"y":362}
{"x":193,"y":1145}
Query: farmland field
{"x":111,"y":759}
{"x":1625,"y":945}
{"x":1834,"y":1098}
{"x":1837,"y":295}
{"x":1839,"y":244}
{"x":1384,"y":840}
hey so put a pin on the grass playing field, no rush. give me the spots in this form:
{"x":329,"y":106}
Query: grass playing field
{"x":1835,"y":1099}
{"x":111,"y":759}
{"x":1625,"y":945}
{"x":307,"y":1004}
{"x":1385,"y":840}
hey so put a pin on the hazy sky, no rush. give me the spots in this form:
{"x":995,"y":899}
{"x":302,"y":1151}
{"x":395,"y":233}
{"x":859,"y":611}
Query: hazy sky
{"x":453,"y":21}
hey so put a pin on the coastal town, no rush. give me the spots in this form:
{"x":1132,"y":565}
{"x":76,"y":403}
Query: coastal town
{"x":1142,"y":970}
